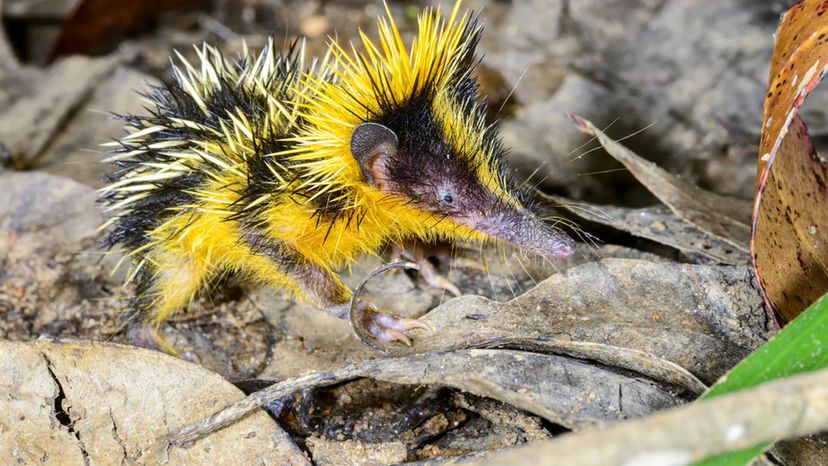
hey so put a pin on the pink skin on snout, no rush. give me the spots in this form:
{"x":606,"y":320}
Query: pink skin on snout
{"x":521,"y":229}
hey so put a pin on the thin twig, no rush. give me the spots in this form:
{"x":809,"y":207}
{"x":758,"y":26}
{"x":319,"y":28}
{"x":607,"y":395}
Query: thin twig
{"x":246,"y":405}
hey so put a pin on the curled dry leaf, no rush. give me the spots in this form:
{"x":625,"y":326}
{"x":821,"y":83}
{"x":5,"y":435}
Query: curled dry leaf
{"x":789,"y":237}
{"x":672,"y":322}
{"x":563,"y":390}
{"x":634,"y":314}
{"x":657,"y":223}
{"x":75,"y":402}
{"x":307,"y":340}
{"x":722,"y":217}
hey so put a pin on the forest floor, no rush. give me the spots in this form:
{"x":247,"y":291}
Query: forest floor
{"x":643,"y":317}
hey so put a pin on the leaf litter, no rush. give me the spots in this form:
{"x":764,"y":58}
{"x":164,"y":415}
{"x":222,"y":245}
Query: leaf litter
{"x":789,"y":232}
{"x":550,"y":347}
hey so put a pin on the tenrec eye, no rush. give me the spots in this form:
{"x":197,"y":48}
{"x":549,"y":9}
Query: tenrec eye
{"x":446,"y":198}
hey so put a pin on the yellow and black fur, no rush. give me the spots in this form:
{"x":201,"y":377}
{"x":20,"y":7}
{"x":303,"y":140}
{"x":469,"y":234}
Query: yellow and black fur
{"x":283,"y":172}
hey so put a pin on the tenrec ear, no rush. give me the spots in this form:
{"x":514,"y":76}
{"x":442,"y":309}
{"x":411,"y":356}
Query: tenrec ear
{"x":372,"y":144}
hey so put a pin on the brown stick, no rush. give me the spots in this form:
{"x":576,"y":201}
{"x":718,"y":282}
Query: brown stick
{"x":256,"y":400}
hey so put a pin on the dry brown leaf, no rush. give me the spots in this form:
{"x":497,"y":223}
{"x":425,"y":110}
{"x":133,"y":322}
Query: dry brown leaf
{"x":73,"y":402}
{"x":306,"y":339}
{"x":563,"y":390}
{"x":656,"y":223}
{"x":724,"y":218}
{"x":701,"y":318}
{"x":789,"y":239}
{"x":673,"y":322}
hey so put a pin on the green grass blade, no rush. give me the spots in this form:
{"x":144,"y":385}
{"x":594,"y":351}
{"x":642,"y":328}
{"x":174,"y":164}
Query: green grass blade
{"x":799,"y":347}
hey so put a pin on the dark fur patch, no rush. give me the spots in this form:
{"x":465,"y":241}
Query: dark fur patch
{"x":431,"y":170}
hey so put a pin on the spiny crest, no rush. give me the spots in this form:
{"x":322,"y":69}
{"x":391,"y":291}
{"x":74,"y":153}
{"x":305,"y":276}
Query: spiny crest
{"x":218,"y":122}
{"x":437,"y":67}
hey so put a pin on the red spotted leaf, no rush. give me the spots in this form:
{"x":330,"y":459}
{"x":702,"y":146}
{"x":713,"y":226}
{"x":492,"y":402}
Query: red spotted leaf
{"x":789,"y":234}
